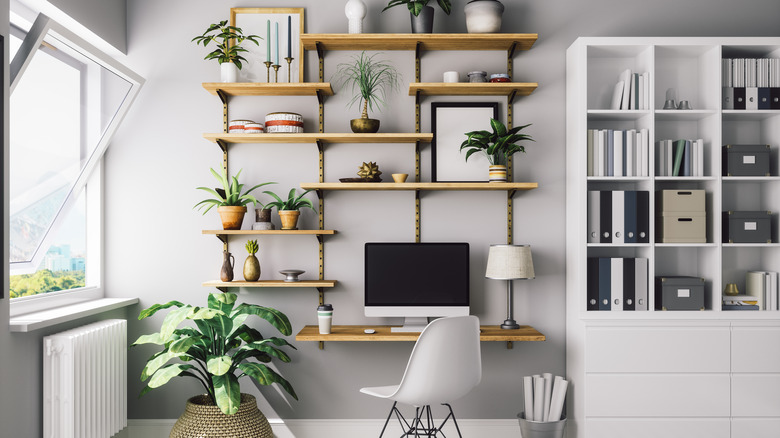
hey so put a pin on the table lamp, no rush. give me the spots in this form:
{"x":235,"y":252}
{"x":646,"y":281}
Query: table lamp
{"x":509,"y":262}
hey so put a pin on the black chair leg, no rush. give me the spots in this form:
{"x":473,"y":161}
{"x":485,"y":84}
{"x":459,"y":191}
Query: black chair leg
{"x":451,"y":414}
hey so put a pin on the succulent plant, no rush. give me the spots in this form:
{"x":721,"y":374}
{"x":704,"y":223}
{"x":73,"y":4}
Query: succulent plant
{"x":230,"y":193}
{"x":369,"y":170}
{"x":252,"y":247}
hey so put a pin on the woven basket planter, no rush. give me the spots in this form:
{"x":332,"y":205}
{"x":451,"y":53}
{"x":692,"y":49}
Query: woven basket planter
{"x":201,"y":419}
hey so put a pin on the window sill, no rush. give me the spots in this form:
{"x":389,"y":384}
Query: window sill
{"x":47,"y":318}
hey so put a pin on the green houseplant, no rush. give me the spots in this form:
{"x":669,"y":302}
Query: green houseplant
{"x":369,"y":80}
{"x":218,"y":351}
{"x":497,"y":146}
{"x":421,"y":13}
{"x":228,"y":51}
{"x":289,"y":210}
{"x":231,"y":203}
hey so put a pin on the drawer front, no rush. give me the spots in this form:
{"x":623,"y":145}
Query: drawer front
{"x":754,"y":428}
{"x":657,"y":428}
{"x":755,"y":350}
{"x":657,"y":395}
{"x":755,"y":395}
{"x":657,"y":350}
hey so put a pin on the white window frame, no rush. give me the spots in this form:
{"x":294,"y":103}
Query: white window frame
{"x":91,"y":175}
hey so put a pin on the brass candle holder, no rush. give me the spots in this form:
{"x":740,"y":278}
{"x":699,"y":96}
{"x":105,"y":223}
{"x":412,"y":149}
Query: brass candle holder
{"x":289,"y":64}
{"x":268,"y":71}
{"x":276,"y":72}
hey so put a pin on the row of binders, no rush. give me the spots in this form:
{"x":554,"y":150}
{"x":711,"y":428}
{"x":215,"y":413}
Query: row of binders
{"x":544,"y":397}
{"x":681,"y":157}
{"x":617,"y":284}
{"x":618,"y":153}
{"x":632,"y":91}
{"x":751,"y":83}
{"x":618,"y":216}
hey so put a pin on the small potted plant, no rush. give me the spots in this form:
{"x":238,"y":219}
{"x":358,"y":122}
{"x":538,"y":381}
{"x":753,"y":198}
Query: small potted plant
{"x":251,"y":264}
{"x":217,"y":350}
{"x":228,"y":51}
{"x":369,"y":80}
{"x":289,"y":210}
{"x":231,"y":203}
{"x":497,"y":146}
{"x":421,"y":13}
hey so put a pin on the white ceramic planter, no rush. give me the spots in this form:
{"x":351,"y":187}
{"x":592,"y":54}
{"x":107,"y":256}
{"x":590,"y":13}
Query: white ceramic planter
{"x":355,"y":10}
{"x":484,"y":16}
{"x":228,"y":72}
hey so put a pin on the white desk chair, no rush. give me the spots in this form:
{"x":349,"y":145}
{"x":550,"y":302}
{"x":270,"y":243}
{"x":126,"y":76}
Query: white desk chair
{"x":445,"y":365}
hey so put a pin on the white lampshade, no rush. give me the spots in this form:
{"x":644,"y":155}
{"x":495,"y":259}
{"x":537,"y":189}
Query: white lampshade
{"x":510,"y":262}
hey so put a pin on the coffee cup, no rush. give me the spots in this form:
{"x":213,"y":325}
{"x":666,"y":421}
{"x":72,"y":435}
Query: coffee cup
{"x":325,"y":318}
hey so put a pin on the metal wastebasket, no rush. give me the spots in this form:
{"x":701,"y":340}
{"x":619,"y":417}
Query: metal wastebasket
{"x":539,"y":429}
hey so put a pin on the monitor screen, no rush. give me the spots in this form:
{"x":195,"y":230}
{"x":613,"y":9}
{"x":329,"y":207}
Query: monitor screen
{"x":416,"y":274}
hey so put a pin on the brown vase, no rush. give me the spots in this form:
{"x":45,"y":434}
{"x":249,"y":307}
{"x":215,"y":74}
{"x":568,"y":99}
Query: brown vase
{"x":251,"y":268}
{"x":289,"y":219}
{"x":203,"y":419}
{"x":226,"y":273}
{"x":231,"y":216}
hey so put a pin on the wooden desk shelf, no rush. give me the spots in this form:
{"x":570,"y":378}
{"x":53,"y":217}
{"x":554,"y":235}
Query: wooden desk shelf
{"x":266,"y":89}
{"x":411,"y":41}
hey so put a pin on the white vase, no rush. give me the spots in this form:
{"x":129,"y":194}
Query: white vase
{"x":228,"y":72}
{"x":355,"y":10}
{"x":484,"y":16}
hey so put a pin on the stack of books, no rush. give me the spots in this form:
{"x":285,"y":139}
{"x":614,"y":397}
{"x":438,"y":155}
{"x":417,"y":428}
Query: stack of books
{"x":631,"y":91}
{"x":762,"y":287}
{"x":739,"y":302}
{"x":681,"y":157}
{"x":613,"y":152}
{"x":751,"y":83}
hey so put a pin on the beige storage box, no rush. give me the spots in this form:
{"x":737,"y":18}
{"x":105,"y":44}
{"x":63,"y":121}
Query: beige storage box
{"x":682,"y":227}
{"x":684,"y":201}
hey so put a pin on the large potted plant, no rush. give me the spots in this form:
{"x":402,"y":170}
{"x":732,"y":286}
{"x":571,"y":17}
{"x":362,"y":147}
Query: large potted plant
{"x":369,"y":80}
{"x":228,"y":51}
{"x":421,"y":13}
{"x":231,"y":203}
{"x":217,"y":351}
{"x":498,"y":146}
{"x":289,"y":210}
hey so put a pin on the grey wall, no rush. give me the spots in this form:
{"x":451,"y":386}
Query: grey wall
{"x":106,"y":18}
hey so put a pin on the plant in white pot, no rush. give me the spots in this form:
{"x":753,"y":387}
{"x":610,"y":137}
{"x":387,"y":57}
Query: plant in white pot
{"x":231,"y":203}
{"x":497,"y":146}
{"x":228,"y":51}
{"x":421,"y":14}
{"x":218,"y":351}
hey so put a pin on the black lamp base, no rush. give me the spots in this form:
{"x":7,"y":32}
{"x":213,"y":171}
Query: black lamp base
{"x":510,"y":324}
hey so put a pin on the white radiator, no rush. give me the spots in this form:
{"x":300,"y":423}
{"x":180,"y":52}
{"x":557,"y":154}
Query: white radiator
{"x":85,"y":381}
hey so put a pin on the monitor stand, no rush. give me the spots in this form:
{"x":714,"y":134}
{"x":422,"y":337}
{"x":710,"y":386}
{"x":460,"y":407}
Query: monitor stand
{"x":412,"y":324}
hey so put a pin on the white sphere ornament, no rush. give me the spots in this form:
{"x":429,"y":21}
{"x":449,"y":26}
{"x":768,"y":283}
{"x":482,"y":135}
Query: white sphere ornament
{"x":355,"y":10}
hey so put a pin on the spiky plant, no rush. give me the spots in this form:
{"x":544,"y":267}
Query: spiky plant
{"x":230,"y":194}
{"x":369,"y":79}
{"x":252,"y":247}
{"x":228,"y":40}
{"x":293,"y":202}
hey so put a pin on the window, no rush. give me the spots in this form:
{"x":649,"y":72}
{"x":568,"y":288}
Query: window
{"x":67,"y":99}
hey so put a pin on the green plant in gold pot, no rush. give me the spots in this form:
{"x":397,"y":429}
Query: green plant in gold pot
{"x":251,"y":264}
{"x":369,"y":80}
{"x":497,"y":146}
{"x":230,"y":201}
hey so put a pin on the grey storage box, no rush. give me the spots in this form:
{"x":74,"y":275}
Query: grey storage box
{"x":747,"y":227}
{"x":746,"y":160}
{"x":682,"y":227}
{"x":670,"y":201}
{"x":679,"y":293}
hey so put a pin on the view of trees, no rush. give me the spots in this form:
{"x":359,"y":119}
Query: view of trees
{"x":45,"y":281}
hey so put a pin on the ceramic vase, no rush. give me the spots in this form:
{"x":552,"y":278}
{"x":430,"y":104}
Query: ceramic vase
{"x":226,"y":273}
{"x":497,"y":173}
{"x":484,"y":16}
{"x":355,"y":10}
{"x":251,"y":268}
{"x":228,"y":72}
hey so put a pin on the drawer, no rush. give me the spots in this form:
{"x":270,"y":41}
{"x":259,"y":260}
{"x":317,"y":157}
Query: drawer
{"x":681,"y":228}
{"x":755,"y":350}
{"x":664,"y":350}
{"x":657,"y":428}
{"x":754,"y":427}
{"x":657,"y":395}
{"x":670,"y":201}
{"x":755,"y":395}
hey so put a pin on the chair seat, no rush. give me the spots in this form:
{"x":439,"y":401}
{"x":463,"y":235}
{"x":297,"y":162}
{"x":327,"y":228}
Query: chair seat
{"x":380,"y":391}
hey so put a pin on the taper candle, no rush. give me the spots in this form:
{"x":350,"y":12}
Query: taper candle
{"x":268,"y":41}
{"x":289,"y":36}
{"x":276,"y":25}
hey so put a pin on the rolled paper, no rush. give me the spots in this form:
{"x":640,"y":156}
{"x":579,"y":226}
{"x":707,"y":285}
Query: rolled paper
{"x":289,"y":36}
{"x":558,"y":397}
{"x":276,"y":25}
{"x":528,"y":393}
{"x":268,"y":41}
{"x":548,"y":384}
{"x":538,"y":398}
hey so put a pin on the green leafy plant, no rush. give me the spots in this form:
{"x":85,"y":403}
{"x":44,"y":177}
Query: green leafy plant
{"x":230,"y":193}
{"x":415,"y":6}
{"x":218,"y":351}
{"x":251,"y":247}
{"x":498,"y":145}
{"x":293,"y":202}
{"x":369,"y":79}
{"x":228,"y":40}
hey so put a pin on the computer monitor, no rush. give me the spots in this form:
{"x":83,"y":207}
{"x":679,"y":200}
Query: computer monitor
{"x":416,"y":281}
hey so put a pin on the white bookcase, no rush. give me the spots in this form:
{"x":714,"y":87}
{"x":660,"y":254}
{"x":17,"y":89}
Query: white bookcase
{"x":692,"y":66}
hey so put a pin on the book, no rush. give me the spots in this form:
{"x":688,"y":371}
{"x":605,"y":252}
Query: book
{"x":617,"y":96}
{"x":679,"y":152}
{"x":626,"y":78}
{"x":590,"y":152}
{"x":739,"y":307}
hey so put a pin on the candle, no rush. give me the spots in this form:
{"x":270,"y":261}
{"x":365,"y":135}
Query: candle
{"x":289,"y":36}
{"x":268,"y":41}
{"x":276,"y":25}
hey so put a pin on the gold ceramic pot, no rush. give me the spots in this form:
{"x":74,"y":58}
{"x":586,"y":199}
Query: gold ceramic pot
{"x":364,"y":125}
{"x":289,"y":219}
{"x":231,"y":216}
{"x":251,"y":268}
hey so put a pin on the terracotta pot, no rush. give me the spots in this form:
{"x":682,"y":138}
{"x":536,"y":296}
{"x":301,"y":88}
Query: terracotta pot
{"x":232,"y":217}
{"x":497,"y":173}
{"x":289,"y":219}
{"x":251,"y":268}
{"x":203,"y":419}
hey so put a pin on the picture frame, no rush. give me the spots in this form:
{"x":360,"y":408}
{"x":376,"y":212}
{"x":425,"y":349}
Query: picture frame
{"x":450,"y":121}
{"x":264,"y":22}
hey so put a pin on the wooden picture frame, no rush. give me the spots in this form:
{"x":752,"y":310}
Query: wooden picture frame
{"x":450,"y":121}
{"x":254,"y":21}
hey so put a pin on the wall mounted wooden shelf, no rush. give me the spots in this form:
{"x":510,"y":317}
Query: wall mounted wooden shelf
{"x":319,"y":137}
{"x":509,"y":89}
{"x":269,"y":232}
{"x":410,"y":41}
{"x":271,"y":283}
{"x":427,"y":186}
{"x":265,"y":89}
{"x":355,"y":333}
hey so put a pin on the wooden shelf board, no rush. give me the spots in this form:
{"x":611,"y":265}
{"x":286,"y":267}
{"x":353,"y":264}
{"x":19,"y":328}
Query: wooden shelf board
{"x":478,"y":186}
{"x":355,"y":333}
{"x":469,"y":89}
{"x":314,"y":137}
{"x":265,"y":89}
{"x":409,"y":41}
{"x":271,"y":232}
{"x":271,"y":283}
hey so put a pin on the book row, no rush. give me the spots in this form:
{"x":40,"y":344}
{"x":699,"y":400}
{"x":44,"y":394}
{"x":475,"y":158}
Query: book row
{"x":617,"y":284}
{"x":617,"y":216}
{"x":681,"y":157}
{"x":618,"y":153}
{"x":631,"y":91}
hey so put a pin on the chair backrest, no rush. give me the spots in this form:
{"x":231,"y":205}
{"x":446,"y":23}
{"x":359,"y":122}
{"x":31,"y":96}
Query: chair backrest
{"x":445,"y":365}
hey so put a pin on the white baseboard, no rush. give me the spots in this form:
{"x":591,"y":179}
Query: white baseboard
{"x":494,"y":428}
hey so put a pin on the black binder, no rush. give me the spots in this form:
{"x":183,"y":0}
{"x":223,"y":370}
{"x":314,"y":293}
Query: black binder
{"x":605,"y":219}
{"x":643,"y":216}
{"x":629,"y":284}
{"x":593,"y":283}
